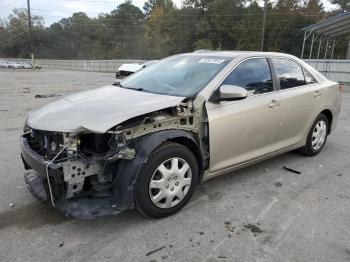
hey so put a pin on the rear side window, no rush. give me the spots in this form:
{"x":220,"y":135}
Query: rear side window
{"x":289,"y":73}
{"x":254,"y":75}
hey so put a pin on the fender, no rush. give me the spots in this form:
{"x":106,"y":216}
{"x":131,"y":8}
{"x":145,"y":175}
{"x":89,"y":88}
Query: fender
{"x":129,"y":170}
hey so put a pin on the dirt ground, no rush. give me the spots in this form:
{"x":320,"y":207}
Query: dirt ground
{"x":260,"y":213}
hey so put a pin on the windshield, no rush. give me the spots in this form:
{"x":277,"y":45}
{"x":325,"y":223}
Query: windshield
{"x":182,"y":75}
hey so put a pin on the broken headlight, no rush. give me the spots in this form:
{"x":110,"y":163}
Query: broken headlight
{"x":26,"y":128}
{"x":95,"y":144}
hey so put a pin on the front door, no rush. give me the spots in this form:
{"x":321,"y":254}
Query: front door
{"x":243,"y":130}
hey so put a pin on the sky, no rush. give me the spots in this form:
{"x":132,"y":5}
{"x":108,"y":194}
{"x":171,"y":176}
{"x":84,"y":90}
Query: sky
{"x":53,"y":10}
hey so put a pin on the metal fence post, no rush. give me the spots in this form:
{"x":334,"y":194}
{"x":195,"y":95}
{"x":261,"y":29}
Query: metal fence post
{"x":302,"y":50}
{"x":319,"y":47}
{"x":333,"y":48}
{"x":312,"y":44}
{"x":325,"y":52}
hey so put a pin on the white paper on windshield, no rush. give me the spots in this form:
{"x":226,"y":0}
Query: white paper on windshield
{"x":211,"y":61}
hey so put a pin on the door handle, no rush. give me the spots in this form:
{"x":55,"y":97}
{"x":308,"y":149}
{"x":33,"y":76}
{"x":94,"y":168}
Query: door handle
{"x":274,"y":103}
{"x":317,"y":93}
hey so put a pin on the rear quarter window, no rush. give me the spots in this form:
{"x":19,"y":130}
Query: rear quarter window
{"x":309,"y":79}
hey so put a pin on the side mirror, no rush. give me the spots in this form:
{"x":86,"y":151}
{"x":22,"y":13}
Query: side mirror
{"x":229,"y":93}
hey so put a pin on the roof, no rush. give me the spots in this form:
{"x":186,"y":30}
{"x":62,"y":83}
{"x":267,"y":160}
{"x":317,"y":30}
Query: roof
{"x":236,"y":53}
{"x":333,"y":27}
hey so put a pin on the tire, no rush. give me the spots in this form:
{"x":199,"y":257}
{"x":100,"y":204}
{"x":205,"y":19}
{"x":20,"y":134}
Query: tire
{"x":168,"y":180}
{"x":310,"y":149}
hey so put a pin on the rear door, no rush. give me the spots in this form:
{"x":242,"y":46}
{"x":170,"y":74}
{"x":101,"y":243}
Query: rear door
{"x":243,"y":130}
{"x":300,"y":94}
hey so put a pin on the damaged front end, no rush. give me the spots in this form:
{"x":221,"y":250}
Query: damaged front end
{"x":90,"y":174}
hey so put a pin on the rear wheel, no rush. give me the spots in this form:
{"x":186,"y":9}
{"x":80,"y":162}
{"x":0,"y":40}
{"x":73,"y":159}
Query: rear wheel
{"x":317,"y":137}
{"x":167,"y":180}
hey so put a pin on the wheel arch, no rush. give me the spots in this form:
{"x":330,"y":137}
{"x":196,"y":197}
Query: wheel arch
{"x":194,"y":148}
{"x":328,"y":113}
{"x":129,"y":170}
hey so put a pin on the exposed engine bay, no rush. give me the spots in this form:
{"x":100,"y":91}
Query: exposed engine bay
{"x":86,"y":164}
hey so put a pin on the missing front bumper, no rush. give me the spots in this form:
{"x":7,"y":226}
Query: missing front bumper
{"x":84,"y":208}
{"x":35,"y":185}
{"x":36,"y":180}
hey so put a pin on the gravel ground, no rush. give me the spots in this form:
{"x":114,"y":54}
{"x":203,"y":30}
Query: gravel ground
{"x":260,"y":213}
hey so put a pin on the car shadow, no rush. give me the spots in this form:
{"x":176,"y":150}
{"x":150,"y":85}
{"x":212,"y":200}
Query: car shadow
{"x":31,"y":216}
{"x":37,"y":214}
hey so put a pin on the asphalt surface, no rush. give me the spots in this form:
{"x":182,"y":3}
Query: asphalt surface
{"x":260,"y":213}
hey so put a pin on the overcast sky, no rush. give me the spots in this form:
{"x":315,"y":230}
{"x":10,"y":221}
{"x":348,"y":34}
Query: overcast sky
{"x":53,"y":10}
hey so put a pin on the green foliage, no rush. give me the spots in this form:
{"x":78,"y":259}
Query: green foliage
{"x":162,"y":29}
{"x":343,"y":4}
{"x":14,"y":34}
{"x":203,"y":44}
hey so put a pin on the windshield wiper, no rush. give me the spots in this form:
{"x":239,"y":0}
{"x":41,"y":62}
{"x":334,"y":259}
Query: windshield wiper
{"x":117,"y":83}
{"x":135,"y":88}
{"x":126,"y":87}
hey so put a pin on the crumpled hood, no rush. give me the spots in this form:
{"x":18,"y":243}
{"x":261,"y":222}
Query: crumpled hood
{"x":97,"y":110}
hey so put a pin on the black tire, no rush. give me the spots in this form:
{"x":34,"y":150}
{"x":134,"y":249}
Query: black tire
{"x":308,"y":149}
{"x":162,"y":153}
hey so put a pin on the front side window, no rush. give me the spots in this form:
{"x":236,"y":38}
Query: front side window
{"x":254,"y":75}
{"x":182,"y":75}
{"x":289,"y":73}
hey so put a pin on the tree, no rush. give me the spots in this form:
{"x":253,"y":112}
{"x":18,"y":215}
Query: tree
{"x":162,"y":29}
{"x":314,"y":7}
{"x":125,"y":27}
{"x":165,"y":5}
{"x":249,"y":35}
{"x":155,"y":37}
{"x":14,"y":40}
{"x":343,"y":4}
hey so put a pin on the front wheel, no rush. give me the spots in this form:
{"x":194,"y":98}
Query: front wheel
{"x":317,"y":137}
{"x":167,"y":180}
